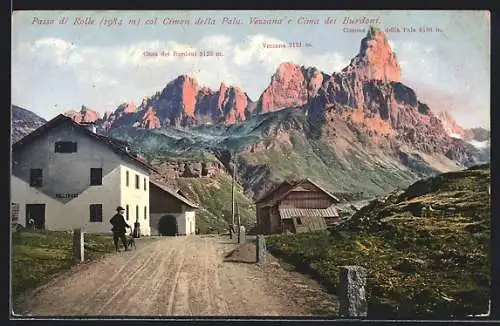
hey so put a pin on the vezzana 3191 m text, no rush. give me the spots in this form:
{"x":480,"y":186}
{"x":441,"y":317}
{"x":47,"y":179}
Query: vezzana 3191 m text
{"x":283,"y":45}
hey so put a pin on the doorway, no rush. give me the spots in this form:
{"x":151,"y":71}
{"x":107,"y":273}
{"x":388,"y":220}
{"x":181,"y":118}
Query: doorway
{"x":35,"y":213}
{"x":168,"y":225}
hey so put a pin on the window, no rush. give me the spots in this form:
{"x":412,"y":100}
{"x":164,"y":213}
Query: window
{"x":145,"y":183}
{"x":299,"y":221}
{"x":127,"y":211}
{"x":36,"y":177}
{"x":96,"y":213}
{"x":137,"y":213}
{"x":137,"y":186}
{"x":145,"y":212}
{"x":65,"y":147}
{"x":126,"y":176}
{"x":95,"y":176}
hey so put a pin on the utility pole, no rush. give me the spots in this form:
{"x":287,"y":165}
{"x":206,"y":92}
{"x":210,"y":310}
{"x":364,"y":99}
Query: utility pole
{"x":232,"y":193}
{"x":239,"y":219}
{"x":231,"y":228}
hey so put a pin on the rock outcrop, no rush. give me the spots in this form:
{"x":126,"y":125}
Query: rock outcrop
{"x":183,"y":103}
{"x":452,"y":128}
{"x":189,"y":169}
{"x":84,"y":115}
{"x":291,"y":86}
{"x":287,"y":89}
{"x":150,"y":120}
{"x":376,"y":60}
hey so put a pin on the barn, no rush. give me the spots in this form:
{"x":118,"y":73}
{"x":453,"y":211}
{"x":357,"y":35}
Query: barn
{"x":296,"y":207}
{"x":170,"y":212}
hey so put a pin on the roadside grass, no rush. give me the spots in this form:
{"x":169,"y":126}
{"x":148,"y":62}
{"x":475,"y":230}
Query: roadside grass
{"x":38,"y":256}
{"x":419,"y":267}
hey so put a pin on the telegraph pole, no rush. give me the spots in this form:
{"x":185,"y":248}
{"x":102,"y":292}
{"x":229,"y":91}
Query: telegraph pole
{"x":239,"y":219}
{"x":231,"y":228}
{"x":232,"y":193}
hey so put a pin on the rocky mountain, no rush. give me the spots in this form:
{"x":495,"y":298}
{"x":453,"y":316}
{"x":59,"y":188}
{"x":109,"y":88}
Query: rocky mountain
{"x":479,"y":138}
{"x":456,"y":131}
{"x":367,"y":93}
{"x":357,"y":130}
{"x":84,"y":115}
{"x":182,"y":103}
{"x":23,"y":122}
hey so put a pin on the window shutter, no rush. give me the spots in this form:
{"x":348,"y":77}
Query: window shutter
{"x":95,"y":212}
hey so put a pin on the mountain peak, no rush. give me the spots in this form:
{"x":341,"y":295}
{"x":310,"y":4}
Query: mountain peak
{"x":287,"y":88}
{"x":452,"y":128}
{"x":84,"y":115}
{"x":376,"y":60}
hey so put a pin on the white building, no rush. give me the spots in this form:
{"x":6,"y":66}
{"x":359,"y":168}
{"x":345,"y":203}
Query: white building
{"x":169,"y":204}
{"x":66,"y":176}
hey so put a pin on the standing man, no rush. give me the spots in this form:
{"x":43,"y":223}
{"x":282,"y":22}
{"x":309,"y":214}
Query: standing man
{"x":119,"y":227}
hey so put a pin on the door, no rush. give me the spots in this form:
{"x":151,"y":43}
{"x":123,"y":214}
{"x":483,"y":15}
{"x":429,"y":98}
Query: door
{"x":35,"y":216}
{"x":168,"y":225}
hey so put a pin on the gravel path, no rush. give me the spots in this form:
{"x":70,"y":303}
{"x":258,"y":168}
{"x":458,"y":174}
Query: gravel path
{"x":179,"y":276}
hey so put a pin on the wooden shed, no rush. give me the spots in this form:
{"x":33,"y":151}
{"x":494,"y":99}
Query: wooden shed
{"x":296,"y":206}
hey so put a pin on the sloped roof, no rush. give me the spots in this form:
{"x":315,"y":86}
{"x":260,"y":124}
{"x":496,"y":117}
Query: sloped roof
{"x":285,"y":185}
{"x":310,"y":224}
{"x":289,"y":212}
{"x":274,"y":196}
{"x":173,"y":193}
{"x":118,"y":146}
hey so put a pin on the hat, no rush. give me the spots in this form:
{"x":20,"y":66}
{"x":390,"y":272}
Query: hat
{"x":119,"y":208}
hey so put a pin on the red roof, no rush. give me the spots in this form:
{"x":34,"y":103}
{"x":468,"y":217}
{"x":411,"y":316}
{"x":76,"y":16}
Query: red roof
{"x":118,"y":146}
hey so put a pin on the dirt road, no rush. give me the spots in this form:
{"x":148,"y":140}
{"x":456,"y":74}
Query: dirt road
{"x":179,"y":276}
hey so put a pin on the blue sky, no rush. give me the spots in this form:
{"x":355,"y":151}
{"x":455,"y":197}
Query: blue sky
{"x":60,"y":67}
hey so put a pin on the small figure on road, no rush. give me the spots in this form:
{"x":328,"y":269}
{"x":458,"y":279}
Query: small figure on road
{"x":31,"y":223}
{"x":119,"y":227}
{"x":137,"y":229}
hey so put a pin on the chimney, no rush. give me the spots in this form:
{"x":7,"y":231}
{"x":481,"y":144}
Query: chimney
{"x":90,"y":126}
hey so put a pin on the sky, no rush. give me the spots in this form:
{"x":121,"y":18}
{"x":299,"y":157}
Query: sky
{"x":57,"y":67}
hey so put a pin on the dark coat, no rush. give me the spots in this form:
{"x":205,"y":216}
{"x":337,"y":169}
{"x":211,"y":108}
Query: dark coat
{"x":119,"y":224}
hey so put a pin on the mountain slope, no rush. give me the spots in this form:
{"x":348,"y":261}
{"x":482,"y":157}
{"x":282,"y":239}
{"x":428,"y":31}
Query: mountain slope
{"x":359,"y":130}
{"x":420,"y":266}
{"x":23,"y":122}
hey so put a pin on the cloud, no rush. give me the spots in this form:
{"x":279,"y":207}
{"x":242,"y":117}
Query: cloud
{"x":436,"y":82}
{"x":105,"y":76}
{"x":416,"y":60}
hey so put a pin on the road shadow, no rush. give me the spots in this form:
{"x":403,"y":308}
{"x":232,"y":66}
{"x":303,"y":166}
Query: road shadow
{"x":244,"y":253}
{"x":235,"y":261}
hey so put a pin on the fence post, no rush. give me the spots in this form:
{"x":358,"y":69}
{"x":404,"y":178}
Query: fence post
{"x":261,"y":249}
{"x":78,"y":246}
{"x":352,"y":293}
{"x":242,"y":235}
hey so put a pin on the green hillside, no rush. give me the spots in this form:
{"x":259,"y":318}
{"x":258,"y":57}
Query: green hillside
{"x":268,"y":149}
{"x":420,"y":266}
{"x":214,"y":197}
{"x":358,"y":172}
